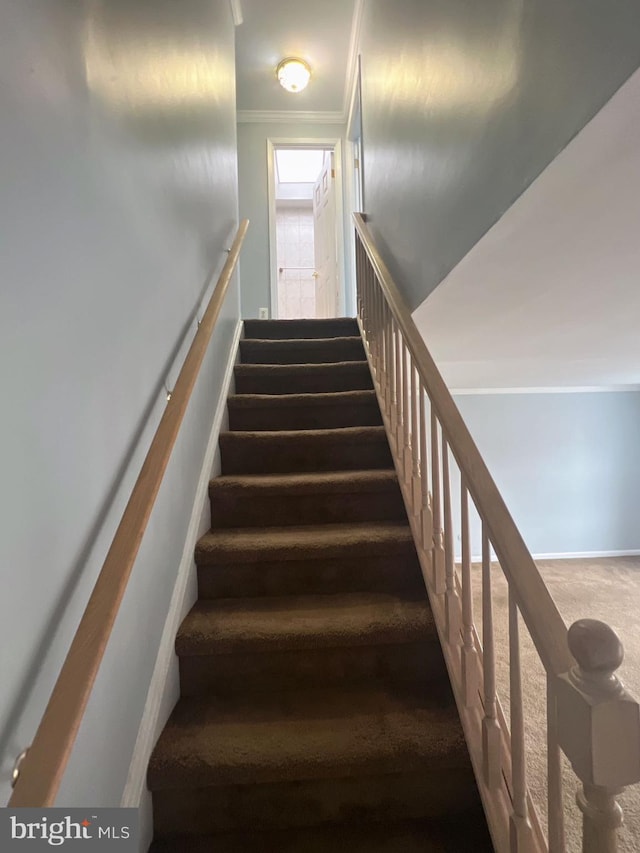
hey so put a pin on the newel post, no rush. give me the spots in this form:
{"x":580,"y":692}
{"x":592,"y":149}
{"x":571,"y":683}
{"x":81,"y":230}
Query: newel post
{"x":599,"y":731}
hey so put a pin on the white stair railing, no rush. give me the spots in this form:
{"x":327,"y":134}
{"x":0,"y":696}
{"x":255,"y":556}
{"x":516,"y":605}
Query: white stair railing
{"x":589,"y":715}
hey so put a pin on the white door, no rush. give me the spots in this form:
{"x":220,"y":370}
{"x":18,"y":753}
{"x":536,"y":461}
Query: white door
{"x":324,"y":223}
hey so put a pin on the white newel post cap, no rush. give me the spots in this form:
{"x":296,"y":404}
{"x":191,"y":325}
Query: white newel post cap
{"x":598,"y":721}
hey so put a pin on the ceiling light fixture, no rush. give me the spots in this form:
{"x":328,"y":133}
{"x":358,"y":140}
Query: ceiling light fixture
{"x":293,"y":74}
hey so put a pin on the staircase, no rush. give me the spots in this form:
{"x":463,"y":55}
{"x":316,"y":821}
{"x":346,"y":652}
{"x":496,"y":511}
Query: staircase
{"x":315,"y":710}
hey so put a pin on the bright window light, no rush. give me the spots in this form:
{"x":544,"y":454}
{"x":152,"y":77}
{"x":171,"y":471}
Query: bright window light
{"x":299,"y":165}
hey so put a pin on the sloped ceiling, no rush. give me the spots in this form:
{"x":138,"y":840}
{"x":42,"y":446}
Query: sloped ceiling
{"x":550,"y":296}
{"x":321,"y":33}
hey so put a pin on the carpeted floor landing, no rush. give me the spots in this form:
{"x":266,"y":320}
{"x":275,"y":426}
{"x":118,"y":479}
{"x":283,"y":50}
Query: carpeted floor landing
{"x":315,"y":711}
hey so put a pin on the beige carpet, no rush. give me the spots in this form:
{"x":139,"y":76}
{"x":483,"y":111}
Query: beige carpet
{"x":606,"y":589}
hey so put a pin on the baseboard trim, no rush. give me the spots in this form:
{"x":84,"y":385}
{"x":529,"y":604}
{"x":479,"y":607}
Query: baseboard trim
{"x":551,"y":389}
{"x":152,"y":717}
{"x":558,"y":555}
{"x":584,"y":555}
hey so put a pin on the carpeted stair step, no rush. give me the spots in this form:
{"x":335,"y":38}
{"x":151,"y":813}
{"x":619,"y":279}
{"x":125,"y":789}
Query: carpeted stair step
{"x":309,"y":757}
{"x":467,"y":834}
{"x":297,"y":642}
{"x":302,"y":378}
{"x":338,"y":327}
{"x":351,"y":800}
{"x":303,"y":411}
{"x":302,"y":351}
{"x":394,"y":572}
{"x":289,"y":451}
{"x":277,"y":500}
{"x":315,"y":713}
{"x":304,"y":542}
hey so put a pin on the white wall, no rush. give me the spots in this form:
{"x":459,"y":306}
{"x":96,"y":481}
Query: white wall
{"x":118,"y":180}
{"x":253,"y":188}
{"x":464,"y":103}
{"x":566,"y":465}
{"x":550,"y":296}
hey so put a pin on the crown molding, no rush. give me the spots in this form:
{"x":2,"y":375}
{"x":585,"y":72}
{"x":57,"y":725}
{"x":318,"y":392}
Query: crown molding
{"x":290,"y":117}
{"x":352,"y":56}
{"x":236,"y":11}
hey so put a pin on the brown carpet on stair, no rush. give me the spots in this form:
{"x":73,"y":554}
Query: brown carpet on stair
{"x":288,"y":451}
{"x":398,"y":837}
{"x":303,"y":411}
{"x":315,"y":711}
{"x":283,"y":379}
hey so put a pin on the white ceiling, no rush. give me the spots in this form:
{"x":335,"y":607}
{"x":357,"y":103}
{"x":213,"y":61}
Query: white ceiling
{"x":550,"y":296}
{"x":322,"y":33}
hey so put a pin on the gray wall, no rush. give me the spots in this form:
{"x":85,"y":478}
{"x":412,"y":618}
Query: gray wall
{"x":118,"y":196}
{"x":566,"y":464}
{"x":464,"y":103}
{"x":254,"y":205}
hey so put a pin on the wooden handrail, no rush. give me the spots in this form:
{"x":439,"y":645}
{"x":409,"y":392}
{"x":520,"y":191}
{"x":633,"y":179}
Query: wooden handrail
{"x":43,"y":767}
{"x":538,"y":609}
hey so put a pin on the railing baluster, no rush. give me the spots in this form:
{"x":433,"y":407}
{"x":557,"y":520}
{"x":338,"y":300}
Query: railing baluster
{"x":426,"y":525}
{"x":452,"y":602}
{"x":366,"y":302}
{"x":359,"y":254}
{"x":406,"y":418}
{"x":438,"y":535}
{"x":416,"y":493}
{"x":376,"y":325}
{"x":554,"y":773}
{"x":381,"y":338}
{"x":365,"y":306}
{"x":388,"y":362}
{"x":520,"y":825}
{"x":397,"y":424}
{"x":388,"y":358}
{"x":491,"y":740}
{"x":469,"y":652}
{"x":377,"y":301}
{"x":380,"y":330}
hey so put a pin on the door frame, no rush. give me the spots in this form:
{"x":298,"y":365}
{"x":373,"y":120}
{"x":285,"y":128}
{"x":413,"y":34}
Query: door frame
{"x":326,"y":143}
{"x":354,"y":131}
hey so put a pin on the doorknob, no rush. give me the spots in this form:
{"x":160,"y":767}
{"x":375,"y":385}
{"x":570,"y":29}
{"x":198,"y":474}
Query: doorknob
{"x":315,"y":274}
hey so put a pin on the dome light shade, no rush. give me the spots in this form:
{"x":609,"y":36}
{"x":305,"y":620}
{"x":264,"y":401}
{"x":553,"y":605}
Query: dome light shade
{"x":293,"y":74}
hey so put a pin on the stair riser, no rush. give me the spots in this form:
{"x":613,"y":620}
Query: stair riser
{"x":201,"y":811}
{"x":279,"y":510}
{"x":286,"y":330}
{"x":391,"y":665}
{"x":271,"y":454}
{"x":399,"y":573}
{"x":299,"y":417}
{"x":301,"y":352}
{"x":315,"y":380}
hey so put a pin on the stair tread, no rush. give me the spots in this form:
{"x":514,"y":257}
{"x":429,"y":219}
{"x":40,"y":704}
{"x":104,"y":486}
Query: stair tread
{"x":415,"y":836}
{"x":302,"y":350}
{"x":302,"y":735}
{"x":311,"y":541}
{"x":353,"y":435}
{"x":383,"y":479}
{"x":301,"y":342}
{"x":293,"y":367}
{"x":302,"y":328}
{"x":282,"y":379}
{"x":324,"y":398}
{"x":303,"y":622}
